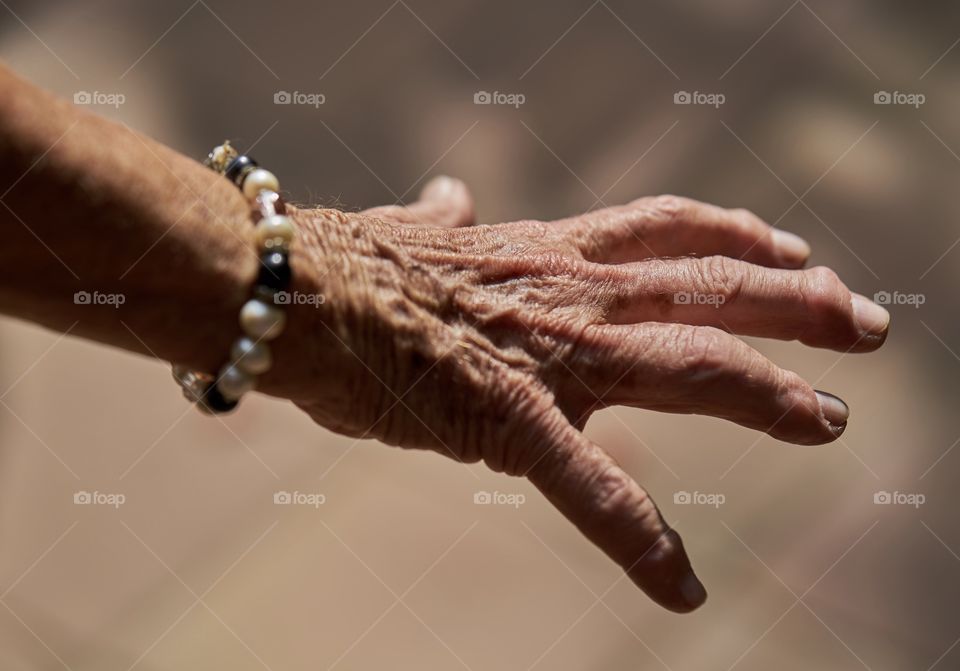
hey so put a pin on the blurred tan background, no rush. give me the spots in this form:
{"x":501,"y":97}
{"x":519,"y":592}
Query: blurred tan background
{"x":398,"y":567}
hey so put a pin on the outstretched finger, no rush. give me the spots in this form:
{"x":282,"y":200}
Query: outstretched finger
{"x":671,"y":226}
{"x":703,"y":370}
{"x":812,"y":306}
{"x":616,"y":514}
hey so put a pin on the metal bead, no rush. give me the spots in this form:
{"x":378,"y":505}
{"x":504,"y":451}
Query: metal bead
{"x":218,"y":159}
{"x":194,"y":383}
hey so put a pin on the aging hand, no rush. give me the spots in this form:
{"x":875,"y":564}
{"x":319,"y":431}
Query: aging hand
{"x":496,"y":343}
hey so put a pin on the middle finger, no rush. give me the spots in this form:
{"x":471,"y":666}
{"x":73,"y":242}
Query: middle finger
{"x":812,"y":306}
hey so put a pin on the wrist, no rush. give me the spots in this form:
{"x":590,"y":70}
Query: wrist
{"x":308,"y":360}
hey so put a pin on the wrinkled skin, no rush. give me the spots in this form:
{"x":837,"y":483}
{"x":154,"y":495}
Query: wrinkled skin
{"x":496,"y":343}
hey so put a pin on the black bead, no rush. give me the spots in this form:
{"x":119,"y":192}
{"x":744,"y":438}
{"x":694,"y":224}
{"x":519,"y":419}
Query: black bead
{"x":215,"y":402}
{"x":274,"y":270}
{"x":238,"y":168}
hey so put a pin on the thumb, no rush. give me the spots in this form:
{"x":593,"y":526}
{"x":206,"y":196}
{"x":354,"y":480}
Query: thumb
{"x":608,"y":506}
{"x":445,"y":202}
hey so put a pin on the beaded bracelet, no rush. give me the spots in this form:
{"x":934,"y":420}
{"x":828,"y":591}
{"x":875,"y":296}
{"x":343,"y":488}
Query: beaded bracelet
{"x":260,"y":318}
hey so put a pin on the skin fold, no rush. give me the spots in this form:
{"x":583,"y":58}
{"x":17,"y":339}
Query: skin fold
{"x":490,"y":343}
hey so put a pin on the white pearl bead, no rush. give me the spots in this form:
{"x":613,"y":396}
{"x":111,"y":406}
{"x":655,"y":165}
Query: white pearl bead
{"x":259,"y":180}
{"x":277,"y":228}
{"x":251,"y":357}
{"x":234,"y":383}
{"x":261,"y":321}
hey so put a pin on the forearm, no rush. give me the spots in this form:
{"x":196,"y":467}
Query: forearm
{"x":91,"y":206}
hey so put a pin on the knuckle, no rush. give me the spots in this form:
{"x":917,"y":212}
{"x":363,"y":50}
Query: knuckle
{"x":531,"y":228}
{"x":589,"y":235}
{"x":749,"y":223}
{"x":612,"y":492}
{"x":557,"y":263}
{"x":796,"y":393}
{"x":657,"y":557}
{"x":673,"y":208}
{"x":649,"y":546}
{"x":702,"y":351}
{"x":534,"y":225}
{"x":598,"y":233}
{"x":824,"y":293}
{"x":560,"y":237}
{"x":719,"y":275}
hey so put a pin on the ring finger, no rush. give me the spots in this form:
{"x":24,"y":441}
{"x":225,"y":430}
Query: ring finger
{"x":702,"y":370}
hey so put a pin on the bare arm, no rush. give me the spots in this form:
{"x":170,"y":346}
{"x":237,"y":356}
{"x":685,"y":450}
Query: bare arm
{"x":490,"y":343}
{"x":92,"y":206}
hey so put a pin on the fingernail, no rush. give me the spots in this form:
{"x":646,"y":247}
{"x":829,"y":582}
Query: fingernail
{"x":439,"y":188}
{"x":834,"y":411}
{"x":693,"y":591}
{"x":870,"y":317}
{"x":791,"y":248}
